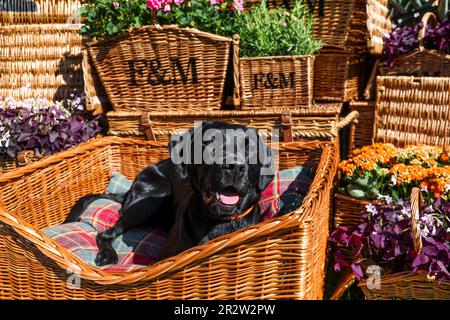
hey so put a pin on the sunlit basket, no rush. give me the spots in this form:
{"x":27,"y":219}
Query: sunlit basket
{"x":378,"y":24}
{"x":41,"y":60}
{"x":308,"y":123}
{"x":162,"y":68}
{"x":409,"y":285}
{"x":283,"y":258}
{"x":13,"y":12}
{"x":96,"y":100}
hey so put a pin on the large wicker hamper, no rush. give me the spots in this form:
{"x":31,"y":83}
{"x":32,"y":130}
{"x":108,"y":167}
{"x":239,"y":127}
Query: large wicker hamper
{"x":282,"y":258}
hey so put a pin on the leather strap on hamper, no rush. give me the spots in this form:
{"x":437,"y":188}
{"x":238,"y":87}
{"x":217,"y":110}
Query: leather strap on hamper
{"x":286,"y":127}
{"x":23,"y":157}
{"x":147,"y":126}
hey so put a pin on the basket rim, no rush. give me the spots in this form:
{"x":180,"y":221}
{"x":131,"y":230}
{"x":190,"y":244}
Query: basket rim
{"x":284,"y":57}
{"x":41,"y":26}
{"x":67,"y":260}
{"x":421,"y":275}
{"x":172,"y":27}
{"x":317,"y":109}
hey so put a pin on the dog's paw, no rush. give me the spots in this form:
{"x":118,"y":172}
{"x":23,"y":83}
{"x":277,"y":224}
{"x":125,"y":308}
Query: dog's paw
{"x":105,"y":257}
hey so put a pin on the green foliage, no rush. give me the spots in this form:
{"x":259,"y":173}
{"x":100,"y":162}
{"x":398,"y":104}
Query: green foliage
{"x":276,"y":32}
{"x":107,"y":18}
{"x":104,"y":20}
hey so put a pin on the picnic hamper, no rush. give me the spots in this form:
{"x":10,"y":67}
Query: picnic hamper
{"x":41,"y":60}
{"x":163,"y":68}
{"x":276,"y":82}
{"x":409,"y":285}
{"x":14,"y":12}
{"x":96,"y":99}
{"x":378,"y":24}
{"x":307,"y":123}
{"x":363,"y":130}
{"x":281,"y":258}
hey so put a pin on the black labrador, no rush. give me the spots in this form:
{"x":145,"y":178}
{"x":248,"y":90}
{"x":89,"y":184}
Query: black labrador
{"x":209,"y":187}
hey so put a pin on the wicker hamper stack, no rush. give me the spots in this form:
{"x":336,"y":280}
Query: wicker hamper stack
{"x":40,"y":49}
{"x":339,"y":68}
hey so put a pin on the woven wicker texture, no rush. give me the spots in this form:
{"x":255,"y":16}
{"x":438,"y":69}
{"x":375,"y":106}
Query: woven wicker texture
{"x":300,"y":124}
{"x":408,"y":285}
{"x":338,"y":76}
{"x":378,"y":24}
{"x":363,"y":130}
{"x":412,"y":110}
{"x":38,"y":11}
{"x":40,"y":60}
{"x":281,"y":258}
{"x":341,"y":24}
{"x":96,"y":100}
{"x":163,"y":68}
{"x":276,"y":82}
{"x":348,"y":211}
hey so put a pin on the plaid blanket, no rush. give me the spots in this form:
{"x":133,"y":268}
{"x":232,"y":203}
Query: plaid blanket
{"x":140,"y":247}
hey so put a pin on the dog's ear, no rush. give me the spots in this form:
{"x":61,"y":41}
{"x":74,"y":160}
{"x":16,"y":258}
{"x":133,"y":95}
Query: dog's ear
{"x":181,"y":148}
{"x":267,"y":172}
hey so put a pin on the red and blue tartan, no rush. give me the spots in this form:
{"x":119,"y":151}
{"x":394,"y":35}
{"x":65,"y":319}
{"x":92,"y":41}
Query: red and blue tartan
{"x":138,"y":247}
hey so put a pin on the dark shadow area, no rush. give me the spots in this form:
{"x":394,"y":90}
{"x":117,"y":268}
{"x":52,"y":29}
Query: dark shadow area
{"x":18,"y":6}
{"x":70,"y":68}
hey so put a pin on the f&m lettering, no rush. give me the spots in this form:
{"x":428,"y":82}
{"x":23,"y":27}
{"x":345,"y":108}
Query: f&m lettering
{"x":153,"y":73}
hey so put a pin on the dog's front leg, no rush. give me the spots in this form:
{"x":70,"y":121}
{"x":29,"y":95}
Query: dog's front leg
{"x":107,"y":254}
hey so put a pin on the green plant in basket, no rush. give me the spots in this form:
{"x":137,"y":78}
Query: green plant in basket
{"x":277,"y":32}
{"x":107,"y":18}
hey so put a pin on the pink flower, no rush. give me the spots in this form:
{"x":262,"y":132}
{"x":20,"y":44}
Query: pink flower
{"x":167,"y":8}
{"x":213,"y":2}
{"x":116,"y":4}
{"x":154,"y":4}
{"x":178,"y":2}
{"x":169,"y":1}
{"x":238,"y":5}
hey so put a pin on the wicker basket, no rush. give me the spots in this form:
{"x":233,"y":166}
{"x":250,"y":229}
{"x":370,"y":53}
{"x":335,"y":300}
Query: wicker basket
{"x":348,"y":211}
{"x":338,"y":76}
{"x":13,"y":12}
{"x":341,"y":25}
{"x":276,"y":82}
{"x":363,"y":131}
{"x":378,"y":24}
{"x":156,"y":68}
{"x":409,"y":285}
{"x":40,"y":60}
{"x":23,"y":158}
{"x":421,"y":62}
{"x":96,"y":100}
{"x":301,"y":124}
{"x":282,"y":258}
{"x":412,"y":110}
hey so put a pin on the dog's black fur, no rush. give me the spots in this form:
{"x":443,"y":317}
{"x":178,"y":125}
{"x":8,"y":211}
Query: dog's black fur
{"x":184,"y":198}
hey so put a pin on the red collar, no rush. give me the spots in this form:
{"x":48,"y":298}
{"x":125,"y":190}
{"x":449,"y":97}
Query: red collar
{"x":241,"y":215}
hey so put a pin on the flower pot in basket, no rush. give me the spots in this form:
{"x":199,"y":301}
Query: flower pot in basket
{"x":282,"y":258}
{"x":409,"y":285}
{"x":157,"y":68}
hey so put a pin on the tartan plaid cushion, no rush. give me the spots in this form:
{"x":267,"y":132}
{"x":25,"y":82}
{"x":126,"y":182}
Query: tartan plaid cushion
{"x":139,"y":247}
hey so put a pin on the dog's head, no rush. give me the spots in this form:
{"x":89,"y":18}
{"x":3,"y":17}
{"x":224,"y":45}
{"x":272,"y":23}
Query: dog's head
{"x":228,"y":165}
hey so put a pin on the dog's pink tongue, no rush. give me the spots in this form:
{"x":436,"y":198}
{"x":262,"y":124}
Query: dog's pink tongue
{"x":229,"y":197}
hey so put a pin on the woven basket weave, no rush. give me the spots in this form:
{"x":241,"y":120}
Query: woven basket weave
{"x":409,"y":285}
{"x":40,"y":60}
{"x":412,"y":110}
{"x":96,"y":100}
{"x":163,"y":68}
{"x":378,"y":24}
{"x":363,"y":133}
{"x":338,"y":76}
{"x":307,"y":123}
{"x":282,"y":258}
{"x":276,"y":82}
{"x":13,"y":12}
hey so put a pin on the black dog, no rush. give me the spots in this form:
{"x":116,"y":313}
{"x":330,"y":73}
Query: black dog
{"x":194,"y":200}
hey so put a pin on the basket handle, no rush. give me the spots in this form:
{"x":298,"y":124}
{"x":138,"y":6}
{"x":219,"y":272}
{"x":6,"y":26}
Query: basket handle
{"x":416,"y":208}
{"x":148,"y":127}
{"x":286,"y":127}
{"x":352,"y":117}
{"x":428,"y":19}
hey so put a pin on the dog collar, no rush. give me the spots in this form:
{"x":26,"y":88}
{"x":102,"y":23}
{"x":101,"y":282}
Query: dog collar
{"x":241,"y":215}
